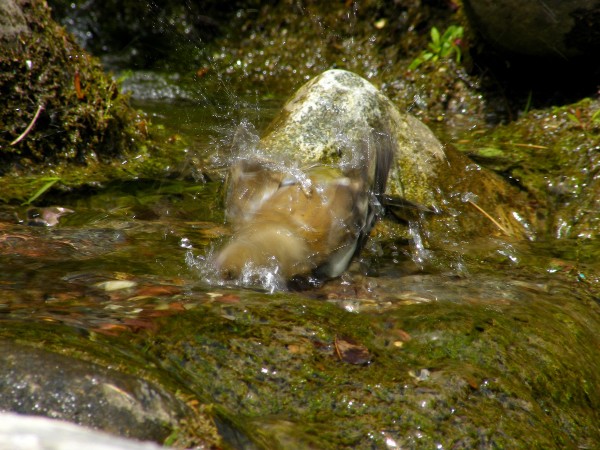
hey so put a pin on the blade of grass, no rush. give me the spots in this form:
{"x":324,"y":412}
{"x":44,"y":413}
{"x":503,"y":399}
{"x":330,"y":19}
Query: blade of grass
{"x":50,"y":181}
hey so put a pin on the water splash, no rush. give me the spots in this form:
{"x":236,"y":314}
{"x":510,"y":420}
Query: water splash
{"x":265,"y":278}
{"x":420,"y":254}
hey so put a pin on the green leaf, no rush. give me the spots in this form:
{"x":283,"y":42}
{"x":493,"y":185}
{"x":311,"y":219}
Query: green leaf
{"x":50,"y":181}
{"x":426,"y":56}
{"x":528,"y":103}
{"x":573,"y":118}
{"x":444,"y":46}
{"x":435,"y":36}
{"x":490,"y":152}
{"x":458,"y":54}
{"x":445,"y":50}
{"x":416,"y":63}
{"x":434,"y":48}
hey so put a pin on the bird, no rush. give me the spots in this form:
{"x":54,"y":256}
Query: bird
{"x":303,"y":222}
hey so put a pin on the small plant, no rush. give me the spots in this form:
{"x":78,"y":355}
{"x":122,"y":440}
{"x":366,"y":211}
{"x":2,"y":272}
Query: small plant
{"x":577,"y":117}
{"x":441,"y":46}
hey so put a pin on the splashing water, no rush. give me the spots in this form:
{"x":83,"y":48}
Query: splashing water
{"x":420,"y":254}
{"x":266,"y":278}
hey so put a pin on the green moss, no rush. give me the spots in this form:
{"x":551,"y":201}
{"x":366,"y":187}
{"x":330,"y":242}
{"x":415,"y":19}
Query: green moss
{"x":503,"y":363}
{"x":494,"y":376}
{"x":83,"y":119}
{"x":553,"y":154}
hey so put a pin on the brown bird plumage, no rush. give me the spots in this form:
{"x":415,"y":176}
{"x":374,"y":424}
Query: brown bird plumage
{"x":294,"y":228}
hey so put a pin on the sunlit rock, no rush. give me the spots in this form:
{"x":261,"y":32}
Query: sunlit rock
{"x":303,"y":198}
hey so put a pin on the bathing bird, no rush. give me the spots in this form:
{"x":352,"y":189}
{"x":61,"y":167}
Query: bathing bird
{"x":302,"y":222}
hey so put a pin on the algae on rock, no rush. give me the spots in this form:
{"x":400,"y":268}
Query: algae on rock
{"x":553,"y":154}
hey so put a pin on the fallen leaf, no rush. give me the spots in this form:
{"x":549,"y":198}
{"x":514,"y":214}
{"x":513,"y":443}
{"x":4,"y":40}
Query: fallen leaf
{"x":402,"y":335}
{"x":136,"y":325}
{"x":111,"y":329}
{"x":350,"y":351}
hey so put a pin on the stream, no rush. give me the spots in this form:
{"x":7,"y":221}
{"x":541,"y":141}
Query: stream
{"x":485,"y":344}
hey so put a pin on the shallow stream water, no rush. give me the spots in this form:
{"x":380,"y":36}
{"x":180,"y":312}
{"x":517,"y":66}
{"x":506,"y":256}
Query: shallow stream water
{"x":487,"y":343}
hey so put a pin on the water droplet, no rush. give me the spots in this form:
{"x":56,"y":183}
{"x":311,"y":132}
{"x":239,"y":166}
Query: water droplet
{"x":185,"y":243}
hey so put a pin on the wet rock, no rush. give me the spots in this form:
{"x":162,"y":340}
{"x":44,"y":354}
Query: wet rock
{"x":19,"y":432}
{"x":42,"y":383}
{"x":495,"y":366}
{"x":554,"y":153}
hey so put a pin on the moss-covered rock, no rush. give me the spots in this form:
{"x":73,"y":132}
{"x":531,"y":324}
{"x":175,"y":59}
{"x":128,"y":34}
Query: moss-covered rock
{"x":58,"y":105}
{"x":553,"y":154}
{"x":487,"y":373}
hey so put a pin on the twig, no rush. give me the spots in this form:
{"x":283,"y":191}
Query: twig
{"x":29,"y":127}
{"x":517,"y":144}
{"x":494,"y":221}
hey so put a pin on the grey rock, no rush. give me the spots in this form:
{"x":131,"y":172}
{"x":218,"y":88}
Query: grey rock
{"x":338,"y":112}
{"x":551,"y":29}
{"x":38,"y":382}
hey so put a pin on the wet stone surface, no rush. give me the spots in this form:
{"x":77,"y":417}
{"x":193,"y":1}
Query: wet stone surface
{"x":37,"y":382}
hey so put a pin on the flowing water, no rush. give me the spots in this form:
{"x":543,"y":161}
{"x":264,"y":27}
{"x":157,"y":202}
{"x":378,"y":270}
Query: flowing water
{"x":482,"y":343}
